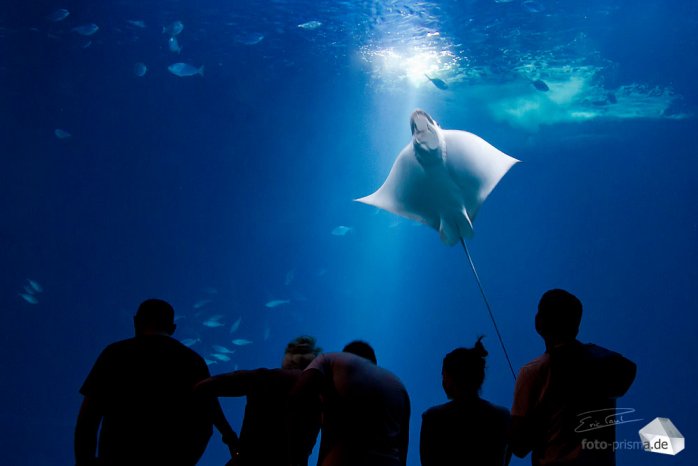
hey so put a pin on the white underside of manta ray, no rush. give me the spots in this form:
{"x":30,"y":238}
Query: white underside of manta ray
{"x":441,"y":178}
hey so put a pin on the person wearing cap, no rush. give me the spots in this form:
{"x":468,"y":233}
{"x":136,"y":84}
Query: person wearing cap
{"x":139,"y":396}
{"x":263,"y":436}
{"x":564,"y":409}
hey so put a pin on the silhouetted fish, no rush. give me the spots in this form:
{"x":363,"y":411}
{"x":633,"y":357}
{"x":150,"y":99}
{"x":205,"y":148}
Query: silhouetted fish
{"x":437,"y":82}
{"x":540,"y":85}
{"x":185,"y":69}
{"x":86,"y":29}
{"x":59,"y":15}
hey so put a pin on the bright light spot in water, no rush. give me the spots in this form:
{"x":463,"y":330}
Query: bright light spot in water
{"x":411,"y":65}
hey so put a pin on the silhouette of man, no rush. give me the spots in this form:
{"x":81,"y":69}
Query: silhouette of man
{"x":467,"y":430}
{"x":139,"y":395}
{"x":564,"y":400}
{"x":365,"y":411}
{"x":263,"y":436}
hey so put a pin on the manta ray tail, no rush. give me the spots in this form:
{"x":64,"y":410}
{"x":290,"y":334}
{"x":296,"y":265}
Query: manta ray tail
{"x":487,"y":304}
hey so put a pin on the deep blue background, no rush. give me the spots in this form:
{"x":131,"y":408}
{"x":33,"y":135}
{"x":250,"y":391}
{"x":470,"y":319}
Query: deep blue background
{"x":176,"y":187}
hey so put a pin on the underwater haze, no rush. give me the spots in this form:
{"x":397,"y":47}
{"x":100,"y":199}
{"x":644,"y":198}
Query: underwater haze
{"x":209,"y":153}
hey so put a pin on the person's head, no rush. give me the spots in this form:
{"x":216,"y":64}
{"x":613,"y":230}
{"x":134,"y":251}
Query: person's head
{"x":361,"y":348}
{"x":558,"y":317}
{"x":300,"y":352}
{"x":463,"y":371}
{"x":154,"y":317}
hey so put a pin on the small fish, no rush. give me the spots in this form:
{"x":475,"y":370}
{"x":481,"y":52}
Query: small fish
{"x":310,"y":25}
{"x":35,"y":286}
{"x":59,"y":15}
{"x":250,"y":39}
{"x":222,"y":349}
{"x":241,"y":342}
{"x":540,"y":85}
{"x":201,"y":303}
{"x":209,"y":361}
{"x":236,"y":325}
{"x":441,"y":84}
{"x":213,"y":321}
{"x":30,"y":298}
{"x":136,"y":22}
{"x":173,"y":44}
{"x":341,"y":230}
{"x":277,"y":302}
{"x":86,"y":29}
{"x":185,"y":69}
{"x":173,"y":29}
{"x":190,"y":341}
{"x":532,"y":6}
{"x":62,"y":134}
{"x":139,"y":69}
{"x":86,"y":44}
{"x":290,"y":275}
{"x":221,"y":357}
{"x":210,"y":290}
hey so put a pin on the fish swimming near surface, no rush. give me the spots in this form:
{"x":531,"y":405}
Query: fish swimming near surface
{"x":185,"y":69}
{"x":241,"y":342}
{"x":86,"y":29}
{"x":277,"y":302}
{"x":310,"y":25}
{"x":173,"y":29}
{"x":540,"y":85}
{"x":62,"y":134}
{"x":341,"y":230}
{"x":139,"y":69}
{"x":59,"y":15}
{"x":440,"y":83}
{"x":209,"y":361}
{"x":139,"y":23}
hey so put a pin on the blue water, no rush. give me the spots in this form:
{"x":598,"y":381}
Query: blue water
{"x":220,"y":192}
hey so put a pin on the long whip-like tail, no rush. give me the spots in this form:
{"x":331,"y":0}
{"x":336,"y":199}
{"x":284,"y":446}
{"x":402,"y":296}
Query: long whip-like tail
{"x":487,"y":304}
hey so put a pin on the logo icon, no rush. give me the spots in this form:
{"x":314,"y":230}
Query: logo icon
{"x":662,"y":436}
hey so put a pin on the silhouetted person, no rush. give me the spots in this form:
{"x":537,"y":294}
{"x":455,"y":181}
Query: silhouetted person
{"x":140,"y":396}
{"x":467,"y":430}
{"x":564,"y":400}
{"x":365,"y":411}
{"x":263,"y":437}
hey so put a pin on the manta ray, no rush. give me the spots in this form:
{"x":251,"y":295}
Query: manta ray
{"x":441,"y":178}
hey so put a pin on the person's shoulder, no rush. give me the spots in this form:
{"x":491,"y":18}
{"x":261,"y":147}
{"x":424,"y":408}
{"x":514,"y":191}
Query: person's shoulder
{"x":118,"y":347}
{"x":438,"y":410}
{"x":536,"y":364}
{"x":497,"y":410}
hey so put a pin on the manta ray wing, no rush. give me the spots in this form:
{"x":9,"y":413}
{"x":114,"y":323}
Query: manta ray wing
{"x":475,"y":166}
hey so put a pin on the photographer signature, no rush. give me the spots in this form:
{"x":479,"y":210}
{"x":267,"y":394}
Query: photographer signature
{"x":600,"y":418}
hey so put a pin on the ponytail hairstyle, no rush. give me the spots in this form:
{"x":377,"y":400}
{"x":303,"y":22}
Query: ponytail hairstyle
{"x":466,"y":367}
